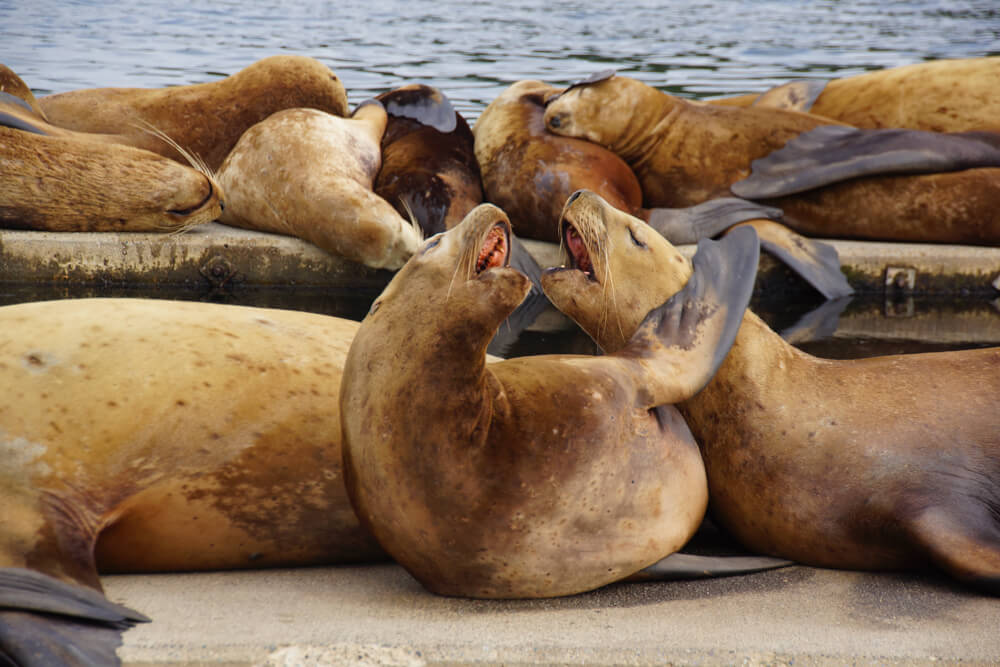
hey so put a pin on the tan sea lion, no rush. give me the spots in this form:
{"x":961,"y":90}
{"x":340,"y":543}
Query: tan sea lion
{"x":880,"y":463}
{"x":951,"y":95}
{"x":148,"y":436}
{"x":64,"y":183}
{"x":205,"y":119}
{"x":686,"y":152}
{"x":429,"y":169}
{"x":530,"y":477}
{"x":309,"y":174}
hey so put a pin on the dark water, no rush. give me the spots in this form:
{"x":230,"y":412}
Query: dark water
{"x":472,"y":51}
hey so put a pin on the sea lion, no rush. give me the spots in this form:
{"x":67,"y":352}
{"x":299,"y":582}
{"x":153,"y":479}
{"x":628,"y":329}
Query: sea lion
{"x":14,"y":89}
{"x":950,"y":95}
{"x":54,"y":182}
{"x":686,"y":152}
{"x":879,"y":463}
{"x":205,"y":119}
{"x":529,"y":477}
{"x":148,"y":436}
{"x":307,"y":173}
{"x":429,"y":169}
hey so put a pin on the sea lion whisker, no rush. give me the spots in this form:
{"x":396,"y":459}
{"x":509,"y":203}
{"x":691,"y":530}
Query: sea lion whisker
{"x":193,"y":159}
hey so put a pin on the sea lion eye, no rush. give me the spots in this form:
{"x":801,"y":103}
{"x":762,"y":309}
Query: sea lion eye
{"x":375,"y":306}
{"x":432,"y":242}
{"x":635,"y":240}
{"x":555,"y":121}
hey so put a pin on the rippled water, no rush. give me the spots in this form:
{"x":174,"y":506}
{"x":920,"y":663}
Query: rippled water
{"x":473,"y":51}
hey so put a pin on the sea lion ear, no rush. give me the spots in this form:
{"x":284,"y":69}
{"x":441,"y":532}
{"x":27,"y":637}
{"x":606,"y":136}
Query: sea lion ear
{"x":682,"y":343}
{"x":596,"y":77}
{"x":424,"y":104}
{"x":832,"y":153}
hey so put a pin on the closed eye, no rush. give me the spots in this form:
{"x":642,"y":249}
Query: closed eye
{"x":432,"y":243}
{"x":635,"y":240}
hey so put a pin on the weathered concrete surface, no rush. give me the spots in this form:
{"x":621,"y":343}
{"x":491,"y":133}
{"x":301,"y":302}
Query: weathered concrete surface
{"x":215,"y":254}
{"x":380,"y":615}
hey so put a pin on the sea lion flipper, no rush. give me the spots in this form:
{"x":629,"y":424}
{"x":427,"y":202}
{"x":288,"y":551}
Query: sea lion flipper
{"x":424,"y":104}
{"x":683,"y":342}
{"x":19,"y":123}
{"x":529,"y":310}
{"x":706,"y":220}
{"x":681,"y":566}
{"x":963,"y":540}
{"x":831,"y":154}
{"x":796,"y":95}
{"x":44,"y":621}
{"x":816,"y":262}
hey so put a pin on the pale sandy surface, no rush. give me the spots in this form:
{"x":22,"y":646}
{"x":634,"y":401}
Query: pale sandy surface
{"x":380,"y":615}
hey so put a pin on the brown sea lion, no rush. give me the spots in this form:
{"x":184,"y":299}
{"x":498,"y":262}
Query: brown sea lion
{"x":880,"y":463}
{"x":951,"y":95}
{"x":309,"y":174}
{"x":148,"y":436}
{"x":205,"y":119}
{"x":429,"y":169}
{"x":530,"y":477}
{"x":55,"y":182}
{"x":686,"y":152}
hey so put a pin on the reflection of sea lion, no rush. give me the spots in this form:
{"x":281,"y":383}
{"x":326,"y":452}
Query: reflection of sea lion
{"x":173,"y":436}
{"x":940,"y":96}
{"x":206,"y":119}
{"x":530,"y":173}
{"x":309,"y":174}
{"x":686,"y":152}
{"x":428,"y":169}
{"x":63,"y":183}
{"x":529,"y":477}
{"x":880,"y":463}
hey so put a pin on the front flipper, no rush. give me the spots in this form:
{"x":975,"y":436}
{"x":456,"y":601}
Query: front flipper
{"x":816,"y":262}
{"x":18,"y":122}
{"x":796,"y":95}
{"x":44,"y":621}
{"x":529,"y":310}
{"x":963,"y":541}
{"x":681,"y":344}
{"x":424,"y":104}
{"x":690,"y":225}
{"x":831,"y":154}
{"x":681,"y":566}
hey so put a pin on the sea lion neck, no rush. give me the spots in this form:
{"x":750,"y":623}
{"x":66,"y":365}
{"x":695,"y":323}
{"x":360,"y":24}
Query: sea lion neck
{"x":648,"y":121}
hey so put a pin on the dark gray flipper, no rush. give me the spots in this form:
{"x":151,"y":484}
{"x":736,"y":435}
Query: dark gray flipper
{"x":529,"y":310}
{"x":18,"y":123}
{"x":424,"y":104}
{"x":814,"y":261}
{"x":689,"y":336}
{"x":14,"y":99}
{"x":796,"y":95}
{"x":681,"y":566}
{"x":817,"y":324}
{"x":44,"y":621}
{"x":831,"y":154}
{"x":708,"y":219}
{"x":596,"y":77}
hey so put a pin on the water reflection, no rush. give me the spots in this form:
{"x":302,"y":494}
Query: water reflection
{"x":473,"y":51}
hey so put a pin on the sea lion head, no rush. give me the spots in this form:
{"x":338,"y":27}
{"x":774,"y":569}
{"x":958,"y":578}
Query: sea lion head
{"x":616,"y":269}
{"x":462,"y":273}
{"x":595,"y":110}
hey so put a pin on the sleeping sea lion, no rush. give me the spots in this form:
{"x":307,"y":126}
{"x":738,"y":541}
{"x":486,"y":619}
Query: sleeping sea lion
{"x":876,"y":464}
{"x":530,"y":477}
{"x":309,"y":174}
{"x":950,"y":95}
{"x":205,"y":119}
{"x":686,"y":152}
{"x":54,"y":181}
{"x":429,"y":169}
{"x":149,"y":436}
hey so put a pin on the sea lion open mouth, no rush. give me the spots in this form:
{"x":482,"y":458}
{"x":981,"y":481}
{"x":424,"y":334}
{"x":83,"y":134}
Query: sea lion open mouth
{"x":495,"y":251}
{"x":579,"y":258}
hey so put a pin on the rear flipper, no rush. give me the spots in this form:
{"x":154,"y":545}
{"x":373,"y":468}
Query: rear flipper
{"x":44,"y":621}
{"x":682,"y":343}
{"x":831,"y":154}
{"x":706,"y":220}
{"x":814,"y":261}
{"x":964,"y":542}
{"x":680,"y":566}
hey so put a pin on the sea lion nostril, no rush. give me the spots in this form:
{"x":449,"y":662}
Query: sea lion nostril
{"x":573,"y":197}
